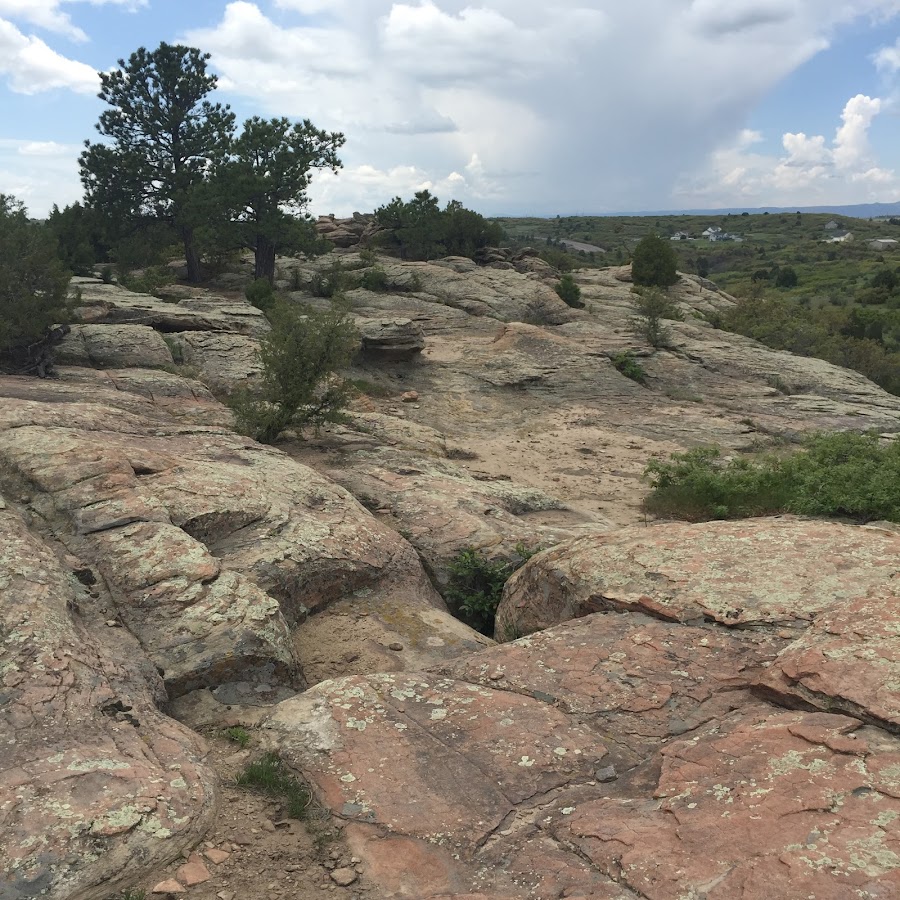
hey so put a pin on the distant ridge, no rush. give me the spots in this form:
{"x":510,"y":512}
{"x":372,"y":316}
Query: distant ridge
{"x":855,"y":211}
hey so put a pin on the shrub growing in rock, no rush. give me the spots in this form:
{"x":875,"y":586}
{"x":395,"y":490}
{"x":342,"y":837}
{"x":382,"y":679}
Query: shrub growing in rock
{"x":653,"y":263}
{"x":846,"y":474}
{"x":569,"y":292}
{"x":299,"y":357}
{"x":476,"y":585}
{"x":627,"y":365}
{"x":260,"y":293}
{"x":651,"y":307}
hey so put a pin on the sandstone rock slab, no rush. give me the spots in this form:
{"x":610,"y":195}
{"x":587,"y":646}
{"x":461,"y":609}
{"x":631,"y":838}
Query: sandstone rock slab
{"x":775,"y":571}
{"x":97,"y":788}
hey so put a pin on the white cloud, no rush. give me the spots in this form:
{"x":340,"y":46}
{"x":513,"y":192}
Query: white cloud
{"x":31,"y":66}
{"x":48,"y":14}
{"x":582,"y":106}
{"x":887,"y":59}
{"x":40,"y":173}
{"x":811,"y":172}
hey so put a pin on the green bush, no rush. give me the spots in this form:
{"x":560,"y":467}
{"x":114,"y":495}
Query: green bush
{"x":270,"y":776}
{"x":374,"y":279}
{"x":476,"y":585}
{"x":569,"y":292}
{"x":845,"y":474}
{"x":260,"y":293}
{"x":626,"y":363}
{"x":651,"y":307}
{"x":148,"y":281}
{"x":33,"y":285}
{"x":654,"y":263}
{"x":330,"y":282}
{"x":298,"y":387}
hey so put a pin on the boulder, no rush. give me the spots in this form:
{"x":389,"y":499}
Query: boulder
{"x":97,"y":788}
{"x":391,"y":338}
{"x":778,"y":572}
{"x":113,"y":347}
{"x":214,"y":548}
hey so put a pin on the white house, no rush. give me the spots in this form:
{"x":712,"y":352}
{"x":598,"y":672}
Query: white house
{"x":680,"y":236}
{"x":832,"y":226}
{"x":712,"y":230}
{"x":839,"y":237}
{"x":884,"y":244}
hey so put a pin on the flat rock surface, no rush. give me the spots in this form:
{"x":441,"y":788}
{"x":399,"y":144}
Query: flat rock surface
{"x":771,"y":571}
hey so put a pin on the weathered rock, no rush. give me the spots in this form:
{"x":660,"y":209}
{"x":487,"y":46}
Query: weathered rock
{"x":774,"y":571}
{"x":97,"y":788}
{"x":212,"y":546}
{"x":848,"y":660}
{"x":760,"y":805}
{"x":113,"y":347}
{"x":442,"y":509}
{"x":225,"y":361}
{"x":111,"y":304}
{"x":637,"y":680}
{"x":391,"y":338}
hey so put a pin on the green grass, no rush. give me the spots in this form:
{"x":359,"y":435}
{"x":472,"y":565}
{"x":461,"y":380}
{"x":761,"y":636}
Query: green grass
{"x":626,"y":363}
{"x":844,"y":475}
{"x":270,"y":776}
{"x":238,"y":735}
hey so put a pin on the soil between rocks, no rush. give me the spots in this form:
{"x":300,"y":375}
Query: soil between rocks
{"x":271,"y":857}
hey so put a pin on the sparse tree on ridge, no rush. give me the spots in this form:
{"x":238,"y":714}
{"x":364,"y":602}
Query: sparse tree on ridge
{"x":653,"y":263}
{"x":259,"y":191}
{"x":164,"y":135}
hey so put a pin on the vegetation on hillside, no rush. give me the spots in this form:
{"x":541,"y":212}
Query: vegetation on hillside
{"x":841,"y":475}
{"x":864,"y":338}
{"x":298,"y":387}
{"x":476,"y":585}
{"x":33,"y":285}
{"x":420,"y":229}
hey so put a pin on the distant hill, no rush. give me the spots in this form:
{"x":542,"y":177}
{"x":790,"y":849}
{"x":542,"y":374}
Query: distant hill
{"x":856,"y":211}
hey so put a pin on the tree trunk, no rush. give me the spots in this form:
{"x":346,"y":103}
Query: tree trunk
{"x":265,"y":259}
{"x":191,"y":255}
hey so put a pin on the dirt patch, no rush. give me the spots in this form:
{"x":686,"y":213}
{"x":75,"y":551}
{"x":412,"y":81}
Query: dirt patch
{"x":256,"y":853}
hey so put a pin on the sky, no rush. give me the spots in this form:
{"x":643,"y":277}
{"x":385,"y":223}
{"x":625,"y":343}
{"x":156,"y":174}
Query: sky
{"x":514,"y":107}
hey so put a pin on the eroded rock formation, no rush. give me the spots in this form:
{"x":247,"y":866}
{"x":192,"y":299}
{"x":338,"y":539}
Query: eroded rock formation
{"x":705,"y":710}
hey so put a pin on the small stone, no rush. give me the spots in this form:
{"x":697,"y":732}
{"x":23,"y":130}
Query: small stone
{"x":344,"y":877}
{"x":193,"y":872}
{"x":606,"y":775}
{"x":168,"y":887}
{"x":268,"y":825}
{"x":409,"y":397}
{"x":112,"y":623}
{"x":216,"y":856}
{"x":396,"y":645}
{"x":496,"y":676}
{"x":242,"y":839}
{"x":225,"y":895}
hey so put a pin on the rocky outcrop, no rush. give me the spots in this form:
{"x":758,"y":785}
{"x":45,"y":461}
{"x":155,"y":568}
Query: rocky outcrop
{"x":636,"y":752}
{"x":110,"y":304}
{"x":213,"y":547}
{"x":96,"y":786}
{"x":392,"y":339}
{"x":776,"y":571}
{"x":348,"y":232}
{"x":114,"y":347}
